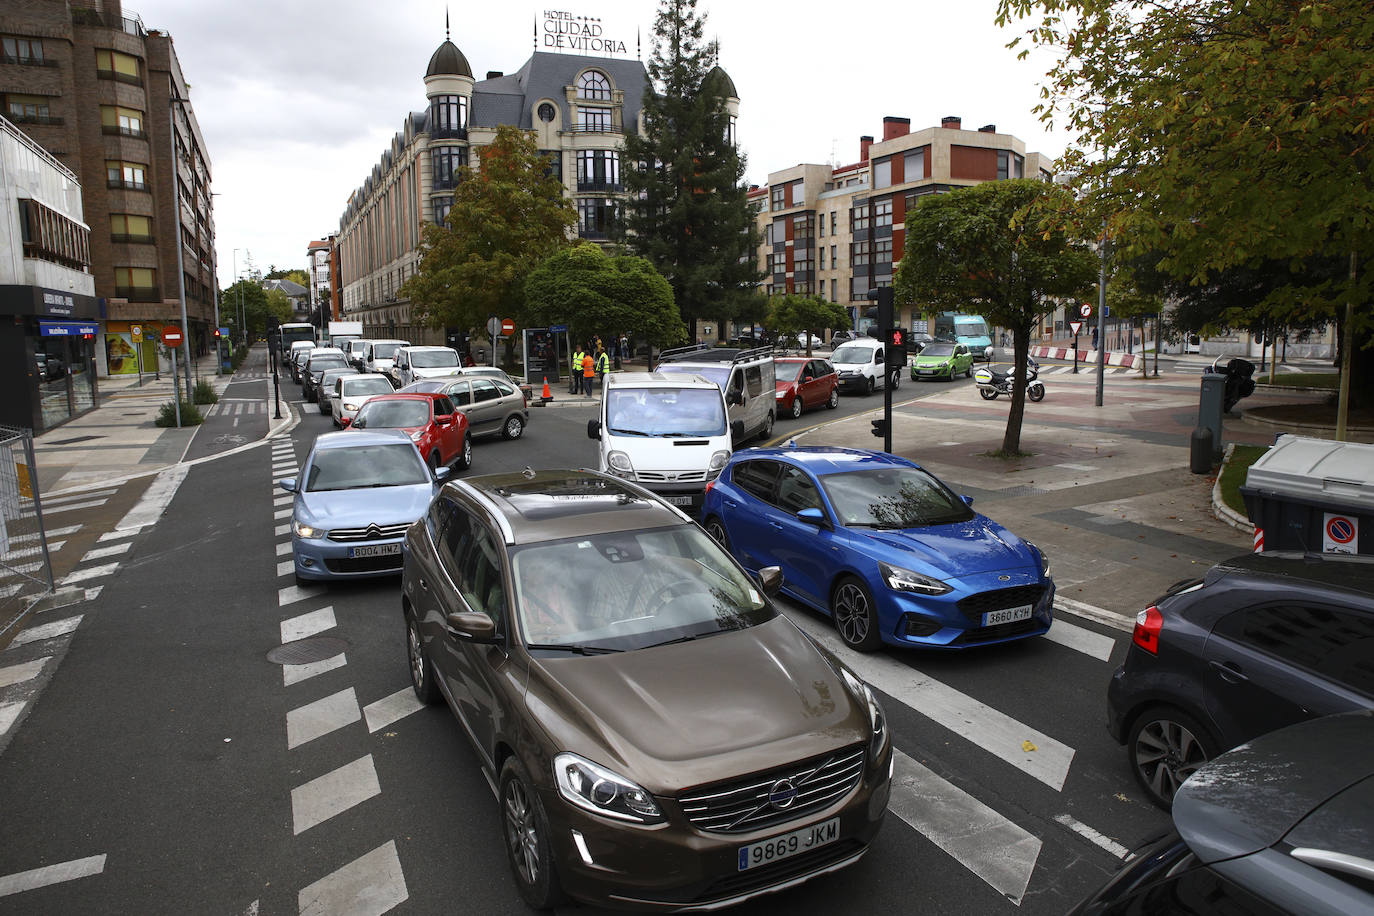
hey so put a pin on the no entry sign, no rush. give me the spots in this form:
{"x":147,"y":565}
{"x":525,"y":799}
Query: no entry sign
{"x":171,"y":337}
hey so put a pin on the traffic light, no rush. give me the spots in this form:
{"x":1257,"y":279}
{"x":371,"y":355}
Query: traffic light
{"x":216,"y":333}
{"x":879,"y":428}
{"x":895,"y":349}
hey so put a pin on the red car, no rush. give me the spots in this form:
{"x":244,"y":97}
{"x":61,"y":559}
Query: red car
{"x":804,"y":383}
{"x":438,"y":431}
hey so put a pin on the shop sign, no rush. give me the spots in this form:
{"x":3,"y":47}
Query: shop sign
{"x":564,"y":31}
{"x":66,"y":329}
{"x":55,"y":303}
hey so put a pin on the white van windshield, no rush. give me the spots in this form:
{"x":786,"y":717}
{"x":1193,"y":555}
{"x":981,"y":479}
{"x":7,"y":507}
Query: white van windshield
{"x":852,"y":355}
{"x":667,"y":412}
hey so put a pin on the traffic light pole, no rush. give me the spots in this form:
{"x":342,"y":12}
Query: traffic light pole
{"x":894,"y":360}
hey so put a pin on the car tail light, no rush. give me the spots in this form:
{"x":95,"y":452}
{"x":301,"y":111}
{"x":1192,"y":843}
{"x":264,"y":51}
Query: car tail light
{"x":1148,"y":624}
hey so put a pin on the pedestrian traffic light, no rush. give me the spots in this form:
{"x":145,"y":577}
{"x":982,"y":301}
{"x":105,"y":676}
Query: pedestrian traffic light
{"x":895,"y":352}
{"x":879,"y":428}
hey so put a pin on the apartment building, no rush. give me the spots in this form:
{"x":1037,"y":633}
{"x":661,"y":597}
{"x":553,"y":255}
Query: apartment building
{"x":838,"y":232}
{"x":108,"y":99}
{"x":318,"y":255}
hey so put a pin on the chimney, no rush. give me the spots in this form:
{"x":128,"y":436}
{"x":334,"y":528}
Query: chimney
{"x":951,"y":122}
{"x":494,"y":74}
{"x":988,"y":129}
{"x":895,"y":127}
{"x":864,"y":143}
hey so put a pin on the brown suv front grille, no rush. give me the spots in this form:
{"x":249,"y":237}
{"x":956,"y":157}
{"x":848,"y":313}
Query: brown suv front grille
{"x":743,"y":804}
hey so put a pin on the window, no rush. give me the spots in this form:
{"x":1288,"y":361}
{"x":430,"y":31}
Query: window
{"x":49,"y":236}
{"x":595,"y":217}
{"x":441,"y":207}
{"x":779,"y":195}
{"x":756,"y":478}
{"x":28,"y":109}
{"x":1334,"y":642}
{"x":882,"y":173}
{"x":112,"y":65}
{"x":594,"y":85}
{"x":802,"y":226}
{"x":127,"y":227}
{"x":753,"y":380}
{"x":129,"y":175}
{"x":802,"y":260}
{"x":126,"y":122}
{"x":448,"y":116}
{"x":138,"y":284}
{"x":730,"y":131}
{"x":858,"y":254}
{"x":820,"y":225}
{"x":546,"y":112}
{"x":834,"y":290}
{"x":822,"y":259}
{"x":447,"y":162}
{"x":1010,"y":165}
{"x":834,"y":259}
{"x":598,"y":170}
{"x":882,"y":214}
{"x":484,"y":390}
{"x":479,"y":579}
{"x":914,"y":166}
{"x":858,"y":217}
{"x":594,"y":120}
{"x":460,"y":393}
{"x":23,"y":50}
{"x":796,"y":491}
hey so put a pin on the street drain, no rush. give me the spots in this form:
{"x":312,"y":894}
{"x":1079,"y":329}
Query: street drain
{"x":304,"y":651}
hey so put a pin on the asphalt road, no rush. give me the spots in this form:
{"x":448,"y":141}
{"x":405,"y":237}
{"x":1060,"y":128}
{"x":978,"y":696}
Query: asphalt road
{"x":172,"y":767}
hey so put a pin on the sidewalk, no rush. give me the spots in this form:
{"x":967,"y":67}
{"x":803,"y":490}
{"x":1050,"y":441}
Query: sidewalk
{"x":118,"y":440}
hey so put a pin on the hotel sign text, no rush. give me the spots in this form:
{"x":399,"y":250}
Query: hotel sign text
{"x":565,"y":32}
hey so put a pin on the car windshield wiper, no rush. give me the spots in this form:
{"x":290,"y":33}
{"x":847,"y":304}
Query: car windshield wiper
{"x":574,"y":648}
{"x":627,"y":432}
{"x":689,"y":638}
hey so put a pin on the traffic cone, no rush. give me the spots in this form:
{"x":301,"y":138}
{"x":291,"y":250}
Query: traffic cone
{"x":547,"y":396}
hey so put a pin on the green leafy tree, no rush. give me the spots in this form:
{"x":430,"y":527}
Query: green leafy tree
{"x":508,"y":215}
{"x":255,"y":308}
{"x":295,"y":275}
{"x":1225,"y":135}
{"x":796,"y":312}
{"x":687,"y":209}
{"x":993,"y":245}
{"x":595,"y":293}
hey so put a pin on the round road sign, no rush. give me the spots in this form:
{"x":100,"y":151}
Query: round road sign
{"x":507,"y":327}
{"x":1085,"y":310}
{"x":493,"y":326}
{"x":171,"y":337}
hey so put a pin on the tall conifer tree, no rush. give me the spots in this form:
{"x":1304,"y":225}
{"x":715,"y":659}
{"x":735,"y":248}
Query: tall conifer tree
{"x":687,"y":209}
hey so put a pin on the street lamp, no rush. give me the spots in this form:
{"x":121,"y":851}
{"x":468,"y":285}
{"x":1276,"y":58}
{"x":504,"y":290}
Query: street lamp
{"x":173,"y":98}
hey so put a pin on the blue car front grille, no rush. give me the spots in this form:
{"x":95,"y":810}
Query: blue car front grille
{"x":370,"y":533}
{"x":975,"y":606}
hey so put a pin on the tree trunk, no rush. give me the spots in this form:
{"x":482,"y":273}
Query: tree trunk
{"x":1011,"y":441}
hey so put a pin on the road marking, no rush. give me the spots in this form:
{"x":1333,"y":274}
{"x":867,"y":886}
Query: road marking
{"x":368,"y":886}
{"x":285,"y":499}
{"x":283,"y":548}
{"x":321,"y":717}
{"x":391,"y":709}
{"x":52,"y":874}
{"x":333,"y":793}
{"x":9,"y":712}
{"x":305,"y":625}
{"x":1092,"y":612}
{"x":1080,"y":638}
{"x":1076,"y":467}
{"x":282,"y":513}
{"x":1092,"y":836}
{"x":48,"y":532}
{"x":47,"y":630}
{"x":116,"y":535}
{"x":294,"y":674}
{"x":70,"y":506}
{"x":281,"y":529}
{"x":90,"y":572}
{"x":76,"y":497}
{"x":16,"y":674}
{"x":289,"y":467}
{"x":290,"y":594}
{"x":994,"y":731}
{"x":100,"y":553}
{"x":156,"y":498}
{"x":980,"y":839}
{"x":286,"y":567}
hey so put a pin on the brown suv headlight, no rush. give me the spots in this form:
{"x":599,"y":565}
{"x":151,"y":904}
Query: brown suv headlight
{"x":597,"y":789}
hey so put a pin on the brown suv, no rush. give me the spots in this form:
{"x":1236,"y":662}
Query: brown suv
{"x":661,"y":737}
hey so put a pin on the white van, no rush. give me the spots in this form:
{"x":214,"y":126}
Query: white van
{"x":380,"y":354}
{"x":748,"y":378}
{"x":668,"y":433}
{"x":411,"y":364}
{"x":860,"y":365}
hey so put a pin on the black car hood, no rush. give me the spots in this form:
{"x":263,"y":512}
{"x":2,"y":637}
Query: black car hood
{"x":1250,"y":798}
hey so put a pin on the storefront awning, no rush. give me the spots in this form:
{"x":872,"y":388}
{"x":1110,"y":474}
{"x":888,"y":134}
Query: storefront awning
{"x":67,"y":328}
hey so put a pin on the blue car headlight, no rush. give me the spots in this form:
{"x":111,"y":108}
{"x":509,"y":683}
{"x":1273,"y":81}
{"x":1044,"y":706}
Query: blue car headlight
{"x":904,"y":580}
{"x":1044,"y":560}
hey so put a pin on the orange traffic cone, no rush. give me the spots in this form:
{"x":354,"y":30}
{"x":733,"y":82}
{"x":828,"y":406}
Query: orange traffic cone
{"x":547,"y":396}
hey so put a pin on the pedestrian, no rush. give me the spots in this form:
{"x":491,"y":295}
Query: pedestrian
{"x":1094,"y":337}
{"x":603,"y":365}
{"x":616,"y":351}
{"x":575,"y":376}
{"x":1004,"y":339}
{"x":588,"y":371}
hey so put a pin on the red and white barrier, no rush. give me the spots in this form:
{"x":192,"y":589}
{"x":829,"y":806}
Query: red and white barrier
{"x":1115,"y":359}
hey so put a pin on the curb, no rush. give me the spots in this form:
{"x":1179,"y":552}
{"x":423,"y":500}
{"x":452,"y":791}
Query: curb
{"x":1222,"y":511}
{"x":1096,"y":614}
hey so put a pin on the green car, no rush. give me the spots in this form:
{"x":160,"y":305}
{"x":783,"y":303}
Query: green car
{"x":942,"y":360}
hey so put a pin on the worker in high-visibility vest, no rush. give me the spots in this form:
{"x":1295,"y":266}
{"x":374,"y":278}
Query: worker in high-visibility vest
{"x":588,"y":370}
{"x":603,"y":365}
{"x":575,"y":379}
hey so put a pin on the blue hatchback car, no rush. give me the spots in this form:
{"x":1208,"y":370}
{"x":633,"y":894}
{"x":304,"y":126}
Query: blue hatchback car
{"x":882,"y":546}
{"x":357,"y":494}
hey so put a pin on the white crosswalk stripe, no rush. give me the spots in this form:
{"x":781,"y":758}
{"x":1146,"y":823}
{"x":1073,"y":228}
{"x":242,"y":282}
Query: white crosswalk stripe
{"x":333,"y":793}
{"x":370,"y":885}
{"x":391,"y":709}
{"x":46,"y":631}
{"x":314,"y":720}
{"x":307,"y":625}
{"x":294,"y":674}
{"x":18,"y":674}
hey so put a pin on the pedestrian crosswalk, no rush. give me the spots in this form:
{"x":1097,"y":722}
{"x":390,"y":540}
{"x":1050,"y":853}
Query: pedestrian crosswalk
{"x":239,"y":408}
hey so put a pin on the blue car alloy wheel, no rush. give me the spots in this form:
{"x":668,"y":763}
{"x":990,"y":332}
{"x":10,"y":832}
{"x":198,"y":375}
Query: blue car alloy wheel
{"x":884,"y":547}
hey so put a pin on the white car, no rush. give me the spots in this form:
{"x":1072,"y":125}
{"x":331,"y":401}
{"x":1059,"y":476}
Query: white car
{"x":353,"y":391}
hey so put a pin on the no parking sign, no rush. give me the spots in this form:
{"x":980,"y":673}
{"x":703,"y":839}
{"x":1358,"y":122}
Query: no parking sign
{"x":1340,"y":533}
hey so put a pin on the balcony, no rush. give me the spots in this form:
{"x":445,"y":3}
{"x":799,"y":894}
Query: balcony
{"x":27,"y":61}
{"x":595,"y":129}
{"x":599,"y":184}
{"x":126,"y":185}
{"x":139,"y":293}
{"x":135,"y":239}
{"x":448,"y":133}
{"x":114,"y":130}
{"x":131,"y":79}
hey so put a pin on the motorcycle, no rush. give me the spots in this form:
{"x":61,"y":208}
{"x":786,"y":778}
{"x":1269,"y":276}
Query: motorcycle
{"x":992,"y":383}
{"x":1239,"y":384}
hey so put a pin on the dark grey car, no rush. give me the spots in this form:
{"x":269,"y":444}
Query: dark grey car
{"x":1277,"y":826}
{"x":1262,"y":641}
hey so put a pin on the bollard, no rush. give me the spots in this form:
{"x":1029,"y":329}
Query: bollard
{"x":1200,"y":451}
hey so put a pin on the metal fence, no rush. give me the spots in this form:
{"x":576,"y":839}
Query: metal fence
{"x":25,"y":564}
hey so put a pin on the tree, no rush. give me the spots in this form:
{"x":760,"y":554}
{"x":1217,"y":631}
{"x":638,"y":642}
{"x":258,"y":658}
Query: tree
{"x":1226,"y":135}
{"x":686,"y":207}
{"x":993,"y":245}
{"x":295,"y":275}
{"x":255,"y":308}
{"x":796,"y":312}
{"x":598,"y":294}
{"x":508,"y":215}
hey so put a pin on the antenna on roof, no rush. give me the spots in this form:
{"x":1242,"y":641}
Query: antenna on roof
{"x":534,"y":27}
{"x":639,"y":55}
{"x":446,"y":38}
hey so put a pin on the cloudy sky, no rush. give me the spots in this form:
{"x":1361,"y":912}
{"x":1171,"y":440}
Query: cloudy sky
{"x":298,"y":100}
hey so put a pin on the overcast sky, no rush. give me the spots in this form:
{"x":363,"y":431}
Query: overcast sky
{"x":297,"y":100}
